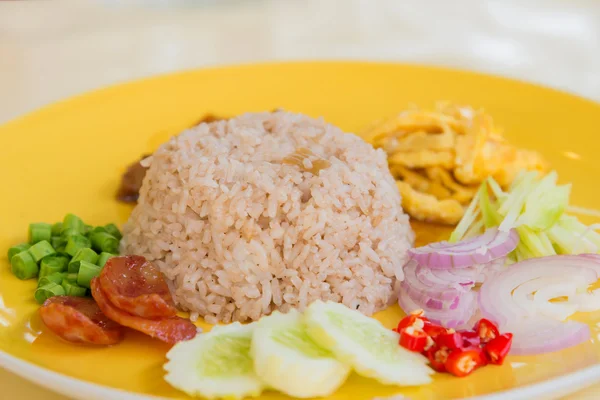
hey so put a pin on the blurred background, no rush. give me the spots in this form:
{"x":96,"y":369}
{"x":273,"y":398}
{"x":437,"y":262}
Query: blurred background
{"x":53,"y":49}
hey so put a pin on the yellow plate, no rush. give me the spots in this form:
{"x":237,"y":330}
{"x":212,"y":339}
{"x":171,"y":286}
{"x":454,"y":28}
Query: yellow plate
{"x":68,"y":158}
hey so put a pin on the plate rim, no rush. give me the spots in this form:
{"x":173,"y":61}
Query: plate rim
{"x":67,"y":385}
{"x":282,"y":63}
{"x":76,"y":388}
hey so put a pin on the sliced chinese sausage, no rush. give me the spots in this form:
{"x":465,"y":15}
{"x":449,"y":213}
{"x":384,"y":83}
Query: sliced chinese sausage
{"x":80,"y":320}
{"x":170,"y":330}
{"x":136,"y":286}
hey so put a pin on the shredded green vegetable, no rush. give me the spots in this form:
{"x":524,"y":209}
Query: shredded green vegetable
{"x":535,"y":206}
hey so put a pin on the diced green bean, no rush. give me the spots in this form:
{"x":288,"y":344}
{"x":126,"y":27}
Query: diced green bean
{"x":67,"y":233}
{"x":57,"y":228}
{"x":113,"y":230}
{"x":56,"y":277}
{"x":57,"y":241}
{"x":104,"y":256}
{"x":39,"y":231}
{"x":73,"y":222}
{"x":52,"y":264}
{"x":84,"y":254}
{"x":24,"y":266}
{"x":76,"y":243}
{"x":98,"y":229}
{"x":87,"y":229}
{"x":72,"y":289}
{"x":87,"y":271}
{"x":50,"y":290}
{"x":73,"y":267}
{"x":41,"y":249}
{"x":17,"y":249}
{"x":104,"y":242}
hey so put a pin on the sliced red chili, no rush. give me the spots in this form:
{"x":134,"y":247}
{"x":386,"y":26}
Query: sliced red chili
{"x":437,"y":358}
{"x":434,"y":330}
{"x":410,"y":320}
{"x":463,"y":362}
{"x":413,"y":339}
{"x":486,"y":330}
{"x":498,"y":348}
{"x":470,"y":338}
{"x":450,"y":340}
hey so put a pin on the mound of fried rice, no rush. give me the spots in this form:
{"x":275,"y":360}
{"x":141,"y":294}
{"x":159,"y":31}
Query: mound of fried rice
{"x":270,"y":211}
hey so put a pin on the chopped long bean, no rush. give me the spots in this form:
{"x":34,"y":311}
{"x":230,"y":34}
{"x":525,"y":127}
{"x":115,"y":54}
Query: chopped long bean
{"x":72,"y":221}
{"x":104,"y":242}
{"x":104,"y":256}
{"x":72,"y":289}
{"x":41,"y":249}
{"x":84,"y":254}
{"x":56,"y":277}
{"x":64,"y":256}
{"x":87,"y":272}
{"x":24,"y":266}
{"x":39,"y":231}
{"x":50,"y":290}
{"x":17,"y":249}
{"x":57,"y":228}
{"x":58,"y":242}
{"x":98,"y":229}
{"x":76,"y":243}
{"x":53,"y":264}
{"x":67,"y":233}
{"x":113,"y":230}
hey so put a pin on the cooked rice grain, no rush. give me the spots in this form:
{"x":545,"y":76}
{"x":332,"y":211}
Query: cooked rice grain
{"x":239,"y":233}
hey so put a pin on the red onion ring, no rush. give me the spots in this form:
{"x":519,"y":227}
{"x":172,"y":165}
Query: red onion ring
{"x":449,"y":318}
{"x":481,"y":249}
{"x":536,"y":333}
{"x":428,"y":289}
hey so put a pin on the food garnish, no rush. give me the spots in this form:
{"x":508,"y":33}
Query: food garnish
{"x":365,"y":344}
{"x":216,"y":364}
{"x":79,"y":320}
{"x":439,"y":157}
{"x":534,"y":206}
{"x":302,"y":355}
{"x":63,"y":256}
{"x":440,"y":276}
{"x":287,"y":359}
{"x":524,"y":299}
{"x":458,"y":353}
{"x":482,"y":249}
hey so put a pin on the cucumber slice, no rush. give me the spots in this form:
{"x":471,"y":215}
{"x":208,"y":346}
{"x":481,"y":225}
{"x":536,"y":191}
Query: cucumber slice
{"x":288,"y":360}
{"x":216,"y":364}
{"x":365,"y":344}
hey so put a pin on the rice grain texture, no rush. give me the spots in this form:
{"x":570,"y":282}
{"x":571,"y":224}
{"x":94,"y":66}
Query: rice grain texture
{"x":270,"y":211}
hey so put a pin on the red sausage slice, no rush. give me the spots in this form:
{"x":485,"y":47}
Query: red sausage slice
{"x":80,"y":320}
{"x":136,"y":286}
{"x":170,"y":330}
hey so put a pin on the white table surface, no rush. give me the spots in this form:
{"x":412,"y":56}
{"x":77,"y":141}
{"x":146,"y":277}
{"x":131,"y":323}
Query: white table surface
{"x":50,"y":50}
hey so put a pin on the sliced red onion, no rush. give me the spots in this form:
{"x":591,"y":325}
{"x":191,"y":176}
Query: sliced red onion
{"x":507,"y":300}
{"x":449,"y":318}
{"x":544,"y":335}
{"x":481,"y":249}
{"x":449,"y":276}
{"x":439,"y":290}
